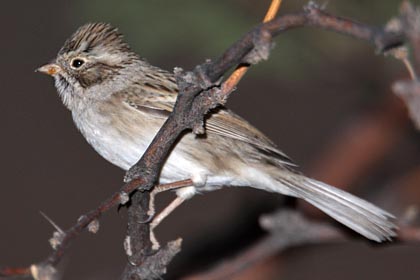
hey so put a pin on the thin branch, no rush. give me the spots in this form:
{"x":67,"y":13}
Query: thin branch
{"x":409,"y":91}
{"x":77,"y":228}
{"x":240,"y":71}
{"x":15,"y":271}
{"x":410,"y":21}
{"x":286,"y":229}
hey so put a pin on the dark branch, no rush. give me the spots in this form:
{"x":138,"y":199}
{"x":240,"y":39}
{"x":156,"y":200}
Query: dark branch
{"x":286,"y":229}
{"x":155,"y":265}
{"x":199,"y":89}
{"x":195,"y":98}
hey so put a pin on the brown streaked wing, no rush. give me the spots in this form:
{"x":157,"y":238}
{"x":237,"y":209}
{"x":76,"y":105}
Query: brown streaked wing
{"x":159,"y":100}
{"x":226,"y":123}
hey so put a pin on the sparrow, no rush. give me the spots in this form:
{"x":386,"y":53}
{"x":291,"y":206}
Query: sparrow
{"x":119,"y":101}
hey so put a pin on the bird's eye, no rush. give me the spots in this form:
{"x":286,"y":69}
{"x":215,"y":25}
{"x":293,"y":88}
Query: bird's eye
{"x":77,"y":63}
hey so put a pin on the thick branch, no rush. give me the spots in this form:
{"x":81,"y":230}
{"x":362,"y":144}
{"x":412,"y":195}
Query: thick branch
{"x":199,"y":90}
{"x":195,"y":99}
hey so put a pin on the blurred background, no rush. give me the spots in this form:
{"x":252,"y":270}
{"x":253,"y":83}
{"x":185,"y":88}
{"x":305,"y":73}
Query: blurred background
{"x":325,"y":99}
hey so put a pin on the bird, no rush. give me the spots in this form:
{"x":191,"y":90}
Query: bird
{"x":119,"y":101}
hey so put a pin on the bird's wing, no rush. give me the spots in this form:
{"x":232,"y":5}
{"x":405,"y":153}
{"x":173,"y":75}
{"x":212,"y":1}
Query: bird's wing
{"x":226,"y":123}
{"x":158,"y":94}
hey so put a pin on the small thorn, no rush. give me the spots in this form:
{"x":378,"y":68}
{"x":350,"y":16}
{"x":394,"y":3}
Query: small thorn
{"x":148,"y":220}
{"x":57,"y":228}
{"x":124,"y":198}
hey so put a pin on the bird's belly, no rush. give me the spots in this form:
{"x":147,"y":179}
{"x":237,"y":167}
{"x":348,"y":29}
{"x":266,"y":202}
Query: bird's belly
{"x":123,"y":151}
{"x":178,"y":166}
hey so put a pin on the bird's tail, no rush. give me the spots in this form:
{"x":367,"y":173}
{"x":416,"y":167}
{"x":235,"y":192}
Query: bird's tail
{"x":358,"y":214}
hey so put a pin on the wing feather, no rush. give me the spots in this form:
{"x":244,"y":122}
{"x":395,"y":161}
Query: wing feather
{"x":158,"y":96}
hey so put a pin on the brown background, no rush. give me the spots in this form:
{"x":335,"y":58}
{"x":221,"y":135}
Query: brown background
{"x":315,"y":84}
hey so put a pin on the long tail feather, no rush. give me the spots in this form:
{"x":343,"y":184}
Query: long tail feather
{"x":356,"y":213}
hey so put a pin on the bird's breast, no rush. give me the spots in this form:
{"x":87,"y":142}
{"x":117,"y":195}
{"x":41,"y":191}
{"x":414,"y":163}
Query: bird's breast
{"x":119,"y":137}
{"x":122,"y":138}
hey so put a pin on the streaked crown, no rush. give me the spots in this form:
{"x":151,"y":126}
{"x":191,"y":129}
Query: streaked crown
{"x":93,"y":37}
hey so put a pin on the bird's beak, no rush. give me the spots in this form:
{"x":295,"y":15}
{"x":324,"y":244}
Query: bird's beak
{"x":49,"y":69}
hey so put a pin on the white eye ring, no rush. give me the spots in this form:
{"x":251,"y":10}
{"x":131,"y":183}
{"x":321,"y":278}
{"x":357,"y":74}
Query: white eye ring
{"x":77,"y":62}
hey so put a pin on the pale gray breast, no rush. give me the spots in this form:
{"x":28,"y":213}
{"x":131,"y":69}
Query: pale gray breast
{"x":117,"y":134}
